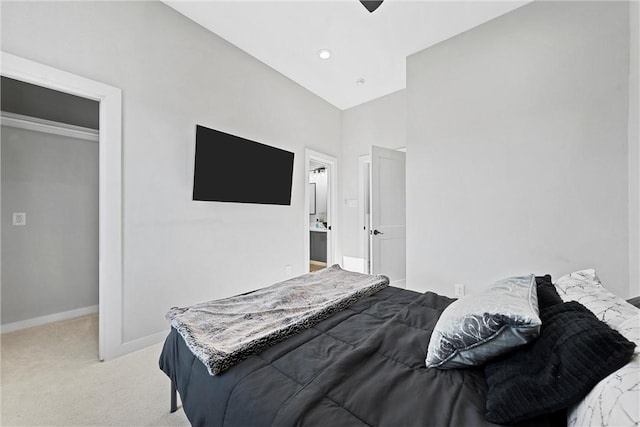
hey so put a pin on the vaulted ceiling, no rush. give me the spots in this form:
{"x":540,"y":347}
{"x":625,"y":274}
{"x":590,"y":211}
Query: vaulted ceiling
{"x":368,"y":50}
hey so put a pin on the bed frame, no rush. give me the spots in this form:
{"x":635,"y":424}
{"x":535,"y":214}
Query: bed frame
{"x":174,"y":398}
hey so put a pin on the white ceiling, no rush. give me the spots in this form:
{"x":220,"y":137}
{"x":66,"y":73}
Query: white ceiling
{"x":287,"y":35}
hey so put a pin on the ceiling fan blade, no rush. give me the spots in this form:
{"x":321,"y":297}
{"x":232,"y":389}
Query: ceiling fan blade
{"x":371,"y":5}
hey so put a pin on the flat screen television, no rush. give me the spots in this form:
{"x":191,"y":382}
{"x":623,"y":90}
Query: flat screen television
{"x":229,"y":168}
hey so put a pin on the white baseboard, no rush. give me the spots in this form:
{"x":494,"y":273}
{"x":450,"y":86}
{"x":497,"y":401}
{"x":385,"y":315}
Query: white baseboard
{"x":402,"y":283}
{"x":140,"y":343}
{"x":50,"y":318}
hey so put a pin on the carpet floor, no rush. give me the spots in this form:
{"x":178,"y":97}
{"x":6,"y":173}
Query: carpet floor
{"x":50,"y":376}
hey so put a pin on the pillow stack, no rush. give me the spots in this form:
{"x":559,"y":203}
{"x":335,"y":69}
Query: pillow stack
{"x":573,"y":353}
{"x":545,"y":347}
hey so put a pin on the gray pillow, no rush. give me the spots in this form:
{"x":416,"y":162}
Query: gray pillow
{"x":479,"y":327}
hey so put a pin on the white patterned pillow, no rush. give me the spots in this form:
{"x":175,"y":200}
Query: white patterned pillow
{"x":614,"y":400}
{"x":477,"y":328}
{"x":585,"y":287}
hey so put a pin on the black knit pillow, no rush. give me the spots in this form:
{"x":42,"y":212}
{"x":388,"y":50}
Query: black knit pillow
{"x":573,"y":353}
{"x":547,"y":293}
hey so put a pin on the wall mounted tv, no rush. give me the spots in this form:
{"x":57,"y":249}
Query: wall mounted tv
{"x":229,"y":168}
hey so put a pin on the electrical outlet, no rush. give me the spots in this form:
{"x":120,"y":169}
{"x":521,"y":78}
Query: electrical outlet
{"x":458,"y":289}
{"x":287,"y":270}
{"x":19,"y":218}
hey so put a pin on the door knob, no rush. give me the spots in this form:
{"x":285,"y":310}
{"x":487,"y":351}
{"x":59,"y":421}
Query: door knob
{"x":376,"y":232}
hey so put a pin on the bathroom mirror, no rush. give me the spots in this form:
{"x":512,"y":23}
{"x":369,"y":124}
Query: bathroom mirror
{"x":312,"y":198}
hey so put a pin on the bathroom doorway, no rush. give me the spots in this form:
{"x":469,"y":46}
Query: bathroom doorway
{"x":318,"y":224}
{"x":320,"y":212}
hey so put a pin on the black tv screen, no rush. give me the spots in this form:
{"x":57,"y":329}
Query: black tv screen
{"x":229,"y":168}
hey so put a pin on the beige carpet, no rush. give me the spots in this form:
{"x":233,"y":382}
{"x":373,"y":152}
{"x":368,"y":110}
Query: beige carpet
{"x":51,"y":376}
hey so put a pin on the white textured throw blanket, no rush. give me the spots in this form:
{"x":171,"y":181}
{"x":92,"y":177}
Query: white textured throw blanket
{"x":223,"y":332}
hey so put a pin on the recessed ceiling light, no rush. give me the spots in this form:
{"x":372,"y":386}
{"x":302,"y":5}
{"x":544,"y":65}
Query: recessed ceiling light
{"x":324,"y":53}
{"x":360,"y":82}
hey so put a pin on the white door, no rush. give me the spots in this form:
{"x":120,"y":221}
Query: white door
{"x":388,"y":218}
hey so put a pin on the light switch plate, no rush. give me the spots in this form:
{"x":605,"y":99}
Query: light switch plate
{"x":19,"y":218}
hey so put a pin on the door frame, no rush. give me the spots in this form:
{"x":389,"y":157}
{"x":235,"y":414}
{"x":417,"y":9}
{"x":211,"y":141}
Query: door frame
{"x":110,"y":186}
{"x":331,"y":164}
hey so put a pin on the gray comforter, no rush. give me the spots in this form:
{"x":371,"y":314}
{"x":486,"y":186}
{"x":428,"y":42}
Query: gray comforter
{"x":363,"y":366}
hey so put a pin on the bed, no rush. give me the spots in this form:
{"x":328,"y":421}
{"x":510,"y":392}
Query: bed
{"x":363,"y":365}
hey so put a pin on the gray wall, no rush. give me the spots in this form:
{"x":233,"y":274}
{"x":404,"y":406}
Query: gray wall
{"x":50,"y":265}
{"x":36,"y":101}
{"x":518,"y":151}
{"x":174,"y":74}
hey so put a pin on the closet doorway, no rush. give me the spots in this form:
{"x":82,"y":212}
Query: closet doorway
{"x":320,"y":212}
{"x":50,"y":189}
{"x":109,"y":230}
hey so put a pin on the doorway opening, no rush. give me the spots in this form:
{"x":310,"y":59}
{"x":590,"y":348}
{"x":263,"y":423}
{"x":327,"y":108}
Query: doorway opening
{"x":110,"y":343}
{"x":318,"y":219}
{"x":320,"y":210}
{"x":50,"y":188}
